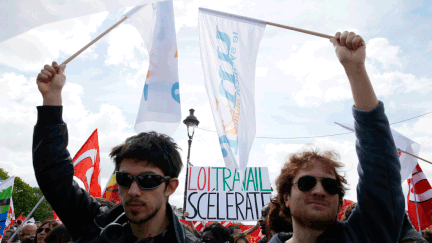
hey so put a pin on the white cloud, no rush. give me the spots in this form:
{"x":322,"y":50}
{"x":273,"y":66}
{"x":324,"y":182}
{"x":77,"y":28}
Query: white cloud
{"x":123,"y":42}
{"x":30,"y":51}
{"x":381,"y":50}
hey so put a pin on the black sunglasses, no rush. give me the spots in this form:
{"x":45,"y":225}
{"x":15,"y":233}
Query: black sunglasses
{"x":144,"y":181}
{"x":307,"y":183}
{"x":41,"y":229}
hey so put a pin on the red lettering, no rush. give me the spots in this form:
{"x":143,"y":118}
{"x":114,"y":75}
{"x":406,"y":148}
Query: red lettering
{"x":190,"y":173}
{"x":205,"y":179}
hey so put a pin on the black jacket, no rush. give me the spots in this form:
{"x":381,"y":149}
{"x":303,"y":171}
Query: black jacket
{"x":78,"y":210}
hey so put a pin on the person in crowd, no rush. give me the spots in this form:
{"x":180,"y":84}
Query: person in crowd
{"x":58,"y":234}
{"x":347,"y":211}
{"x":234,"y":230}
{"x":192,"y":226}
{"x":241,"y":238}
{"x":263,"y":220}
{"x":17,"y":224}
{"x":190,"y":236}
{"x":311,"y":188}
{"x":215,"y":233}
{"x":427,"y":235}
{"x":38,"y":224}
{"x":147,"y":168}
{"x":278,"y":226}
{"x":44,"y":229}
{"x":7,"y":235}
{"x":27,"y":231}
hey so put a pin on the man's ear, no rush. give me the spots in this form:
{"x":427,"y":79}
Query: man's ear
{"x":171,"y":187}
{"x":286,"y":200}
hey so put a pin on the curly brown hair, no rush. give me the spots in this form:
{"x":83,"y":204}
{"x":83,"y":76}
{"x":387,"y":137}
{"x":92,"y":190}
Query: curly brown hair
{"x":304,"y":160}
{"x":277,"y":221}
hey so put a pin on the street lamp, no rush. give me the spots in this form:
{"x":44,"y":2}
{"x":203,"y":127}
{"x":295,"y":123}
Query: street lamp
{"x":191,"y":123}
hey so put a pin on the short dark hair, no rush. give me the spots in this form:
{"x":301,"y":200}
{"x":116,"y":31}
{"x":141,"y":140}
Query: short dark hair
{"x":19,"y":221}
{"x":58,"y":234}
{"x":155,"y":148}
{"x":219,"y":232}
{"x":231,"y":228}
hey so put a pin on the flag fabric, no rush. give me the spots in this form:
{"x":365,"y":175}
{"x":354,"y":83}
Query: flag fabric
{"x":345,"y":204}
{"x":11,"y":215}
{"x":56,"y":217}
{"x":19,"y":16}
{"x":229,"y":46}
{"x":160,"y":102}
{"x":111,"y":191}
{"x":253,"y":237}
{"x":86,"y":165}
{"x":423,"y":196}
{"x":6,"y":188}
{"x":408,"y":162}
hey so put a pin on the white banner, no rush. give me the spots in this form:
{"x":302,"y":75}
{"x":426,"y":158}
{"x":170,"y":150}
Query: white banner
{"x":19,"y":16}
{"x":408,"y":162}
{"x":160,"y":103}
{"x":216,"y":193}
{"x":229,"y":46}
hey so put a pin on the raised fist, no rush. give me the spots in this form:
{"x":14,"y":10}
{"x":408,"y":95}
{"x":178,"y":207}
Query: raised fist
{"x":349,"y":47}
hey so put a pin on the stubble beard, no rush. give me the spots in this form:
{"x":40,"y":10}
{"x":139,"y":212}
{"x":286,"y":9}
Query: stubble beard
{"x":314,"y":221}
{"x":149,"y":216}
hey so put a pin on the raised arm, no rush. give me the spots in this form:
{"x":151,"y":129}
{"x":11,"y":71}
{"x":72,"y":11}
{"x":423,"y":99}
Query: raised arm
{"x":351,"y":52}
{"x":251,"y":230}
{"x":379,"y":213}
{"x":51,"y":160}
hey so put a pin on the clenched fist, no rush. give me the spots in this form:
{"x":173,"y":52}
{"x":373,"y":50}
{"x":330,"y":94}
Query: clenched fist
{"x":50,"y":82}
{"x":350,"y":48}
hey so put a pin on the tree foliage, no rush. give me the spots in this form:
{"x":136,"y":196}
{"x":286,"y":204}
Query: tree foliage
{"x":26,"y":197}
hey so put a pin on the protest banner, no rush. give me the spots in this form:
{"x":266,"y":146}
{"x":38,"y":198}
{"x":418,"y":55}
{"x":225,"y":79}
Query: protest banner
{"x":218,"y":194}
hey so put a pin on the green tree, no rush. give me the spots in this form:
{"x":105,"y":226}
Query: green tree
{"x":25,"y":198}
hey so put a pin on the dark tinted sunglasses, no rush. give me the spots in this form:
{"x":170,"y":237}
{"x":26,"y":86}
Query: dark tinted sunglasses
{"x":41,"y":229}
{"x":307,"y":183}
{"x":144,"y":181}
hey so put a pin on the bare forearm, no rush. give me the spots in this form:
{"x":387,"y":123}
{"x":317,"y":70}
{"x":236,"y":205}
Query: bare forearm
{"x":53,"y":100}
{"x":250,"y":230}
{"x":361,"y":87}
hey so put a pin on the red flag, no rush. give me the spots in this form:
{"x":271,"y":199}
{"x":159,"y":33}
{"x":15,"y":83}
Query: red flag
{"x":111,"y":192}
{"x":255,"y":236}
{"x":86,"y":164}
{"x":346,"y":203}
{"x":56,"y":218}
{"x":423,"y":196}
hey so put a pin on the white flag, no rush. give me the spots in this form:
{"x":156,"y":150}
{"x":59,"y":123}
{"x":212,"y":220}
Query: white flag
{"x":19,"y":16}
{"x":160,"y":103}
{"x":408,"y":162}
{"x":229,"y":46}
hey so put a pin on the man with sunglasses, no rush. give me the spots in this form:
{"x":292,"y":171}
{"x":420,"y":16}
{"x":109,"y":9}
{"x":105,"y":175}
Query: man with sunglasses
{"x":147,"y":166}
{"x":311,"y":190}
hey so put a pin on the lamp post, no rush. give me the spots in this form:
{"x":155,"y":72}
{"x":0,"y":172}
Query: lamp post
{"x":191,"y":122}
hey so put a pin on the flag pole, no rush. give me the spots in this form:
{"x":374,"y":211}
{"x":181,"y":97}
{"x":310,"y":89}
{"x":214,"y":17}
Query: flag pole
{"x":414,"y":156}
{"x":301,"y":30}
{"x":27,"y":218}
{"x":93,"y":41}
{"x":415,"y":200}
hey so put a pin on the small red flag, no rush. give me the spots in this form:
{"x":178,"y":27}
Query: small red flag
{"x":423,"y":196}
{"x":86,"y":165}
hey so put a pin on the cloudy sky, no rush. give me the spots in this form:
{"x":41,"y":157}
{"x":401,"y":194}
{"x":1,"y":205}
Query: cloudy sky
{"x":301,"y":89}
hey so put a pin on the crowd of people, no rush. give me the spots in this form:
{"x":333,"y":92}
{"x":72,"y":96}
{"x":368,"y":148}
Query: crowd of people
{"x":310,"y":187}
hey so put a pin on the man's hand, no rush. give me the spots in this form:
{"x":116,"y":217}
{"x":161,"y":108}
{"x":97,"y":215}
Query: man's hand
{"x":186,"y":214}
{"x":350,"y":48}
{"x":50,"y":82}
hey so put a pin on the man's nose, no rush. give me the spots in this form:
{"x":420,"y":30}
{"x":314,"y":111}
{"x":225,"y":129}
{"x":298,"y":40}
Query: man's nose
{"x":319,"y":189}
{"x":134,"y":189}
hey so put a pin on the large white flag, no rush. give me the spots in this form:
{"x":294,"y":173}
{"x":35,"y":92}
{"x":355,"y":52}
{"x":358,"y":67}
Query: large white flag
{"x":160,"y":103}
{"x":229,"y":46}
{"x":408,"y":162}
{"x":19,"y":16}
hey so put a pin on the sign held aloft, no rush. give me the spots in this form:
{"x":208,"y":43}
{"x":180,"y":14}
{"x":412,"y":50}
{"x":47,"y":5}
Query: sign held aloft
{"x":219,"y":193}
